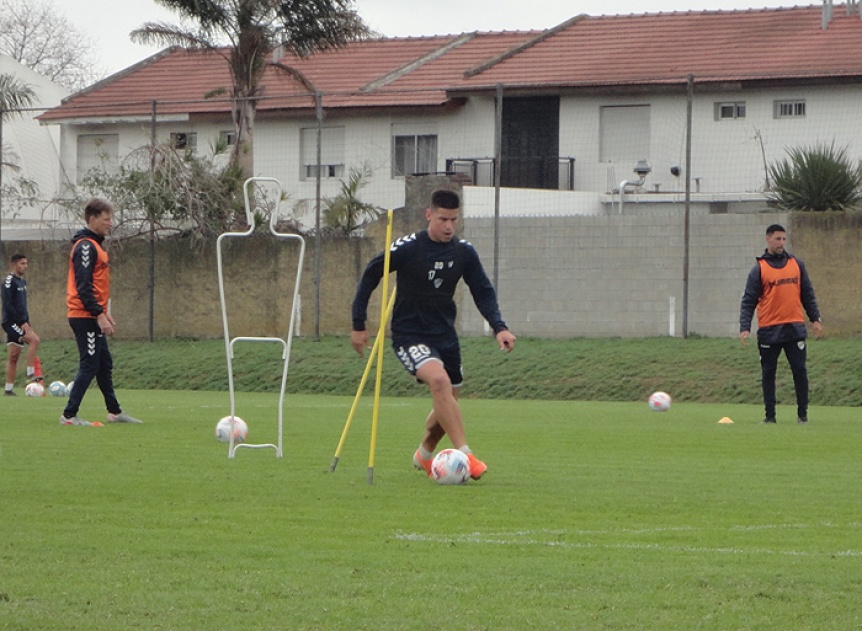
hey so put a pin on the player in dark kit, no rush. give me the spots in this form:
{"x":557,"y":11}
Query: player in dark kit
{"x":16,"y":325}
{"x":429,"y":265}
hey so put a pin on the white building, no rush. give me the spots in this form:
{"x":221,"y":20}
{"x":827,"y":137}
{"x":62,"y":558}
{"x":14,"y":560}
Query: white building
{"x":32,"y":148}
{"x":583,"y":104}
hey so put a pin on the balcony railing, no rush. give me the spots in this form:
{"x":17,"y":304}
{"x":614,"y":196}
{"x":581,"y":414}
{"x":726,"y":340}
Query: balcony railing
{"x":526,"y":172}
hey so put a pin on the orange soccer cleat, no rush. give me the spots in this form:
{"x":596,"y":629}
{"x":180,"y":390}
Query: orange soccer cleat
{"x":422,"y":465}
{"x":477,"y":467}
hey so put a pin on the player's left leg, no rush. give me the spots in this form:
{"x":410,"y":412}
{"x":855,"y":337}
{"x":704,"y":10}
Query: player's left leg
{"x":796,"y":353}
{"x":105,"y":375}
{"x":768,"y":366}
{"x":34,"y":366}
{"x":450,"y":356}
{"x":445,"y":413}
{"x":14,"y":346}
{"x":13,"y":351}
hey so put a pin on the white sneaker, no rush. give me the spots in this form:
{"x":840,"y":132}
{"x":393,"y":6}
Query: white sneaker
{"x":75,"y":420}
{"x":122,"y":417}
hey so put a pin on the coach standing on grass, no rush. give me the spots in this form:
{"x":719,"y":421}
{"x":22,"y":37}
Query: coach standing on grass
{"x":88,"y":289}
{"x":429,"y":265}
{"x":779,"y":288}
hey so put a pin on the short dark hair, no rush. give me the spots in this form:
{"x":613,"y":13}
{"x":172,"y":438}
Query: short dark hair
{"x":17,"y":257}
{"x":776,"y":227}
{"x":96,"y":207}
{"x":442,"y":198}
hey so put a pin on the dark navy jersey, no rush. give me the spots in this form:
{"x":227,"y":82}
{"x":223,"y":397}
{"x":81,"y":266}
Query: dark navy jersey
{"x":14,"y":291}
{"x":427,"y":275}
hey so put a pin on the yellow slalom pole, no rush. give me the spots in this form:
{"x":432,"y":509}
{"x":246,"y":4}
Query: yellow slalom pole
{"x":371,"y":357}
{"x":380,"y":335}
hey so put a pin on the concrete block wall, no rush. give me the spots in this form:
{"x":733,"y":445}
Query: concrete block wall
{"x":590,"y":276}
{"x":598,"y":276}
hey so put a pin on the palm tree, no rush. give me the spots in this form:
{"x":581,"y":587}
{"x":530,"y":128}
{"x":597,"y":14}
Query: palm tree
{"x":346,"y":212}
{"x":253,"y":30}
{"x":14,"y":95}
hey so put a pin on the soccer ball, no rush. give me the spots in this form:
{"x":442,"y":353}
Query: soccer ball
{"x":69,"y":387}
{"x":57,"y":389}
{"x":659,"y":401}
{"x":34,"y":389}
{"x":224,"y":428}
{"x":450,"y":467}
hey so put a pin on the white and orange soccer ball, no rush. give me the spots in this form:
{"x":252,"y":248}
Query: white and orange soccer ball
{"x":34,"y":389}
{"x":659,"y":401}
{"x":229,"y":425}
{"x":450,"y":467}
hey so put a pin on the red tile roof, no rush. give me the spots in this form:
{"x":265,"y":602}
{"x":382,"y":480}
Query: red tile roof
{"x":657,"y":48}
{"x":786,"y":43}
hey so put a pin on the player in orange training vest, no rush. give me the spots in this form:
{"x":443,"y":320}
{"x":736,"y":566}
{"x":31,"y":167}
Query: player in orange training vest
{"x":779,"y":288}
{"x":88,"y":291}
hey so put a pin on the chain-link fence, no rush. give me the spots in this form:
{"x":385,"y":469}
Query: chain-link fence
{"x":659,"y":170}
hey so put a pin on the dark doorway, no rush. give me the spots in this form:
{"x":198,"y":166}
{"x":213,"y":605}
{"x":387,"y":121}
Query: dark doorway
{"x":530,"y":142}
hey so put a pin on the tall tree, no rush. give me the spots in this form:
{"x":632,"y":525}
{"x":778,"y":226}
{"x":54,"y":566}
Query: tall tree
{"x":36,"y":35}
{"x":14,"y":95}
{"x":251,"y":30}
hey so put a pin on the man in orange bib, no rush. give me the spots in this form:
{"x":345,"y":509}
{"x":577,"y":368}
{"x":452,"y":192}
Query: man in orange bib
{"x":88,"y":293}
{"x":779,"y":288}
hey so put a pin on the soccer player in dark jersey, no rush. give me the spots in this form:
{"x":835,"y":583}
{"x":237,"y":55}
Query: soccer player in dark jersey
{"x":429,"y":265}
{"x":779,"y":288}
{"x":88,"y":290}
{"x":16,"y":324}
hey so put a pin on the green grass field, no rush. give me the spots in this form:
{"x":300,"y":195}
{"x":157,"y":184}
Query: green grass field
{"x":593,"y":515}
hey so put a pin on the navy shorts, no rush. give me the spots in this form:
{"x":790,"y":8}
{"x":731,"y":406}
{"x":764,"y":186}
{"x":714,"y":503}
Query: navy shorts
{"x":14,"y":334}
{"x":413,"y":354}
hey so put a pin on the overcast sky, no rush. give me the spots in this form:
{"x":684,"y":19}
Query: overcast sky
{"x":108,"y":22}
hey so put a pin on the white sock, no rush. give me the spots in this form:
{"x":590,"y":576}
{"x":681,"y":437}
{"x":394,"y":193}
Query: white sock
{"x":9,"y":387}
{"x":30,"y":371}
{"x":466,"y":450}
{"x":424,"y":453}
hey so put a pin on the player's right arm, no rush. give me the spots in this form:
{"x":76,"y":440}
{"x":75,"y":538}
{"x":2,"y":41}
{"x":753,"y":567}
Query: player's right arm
{"x":366,"y":286}
{"x":359,"y":341}
{"x":359,"y":311}
{"x":750,"y":298}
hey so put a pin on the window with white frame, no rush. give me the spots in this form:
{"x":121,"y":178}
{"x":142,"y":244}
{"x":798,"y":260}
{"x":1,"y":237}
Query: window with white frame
{"x":184,"y":140}
{"x":97,"y":151}
{"x":624,"y":134}
{"x":227,"y":138}
{"x":331,"y":152}
{"x":729,"y":110}
{"x":414,"y":149}
{"x":789,"y":109}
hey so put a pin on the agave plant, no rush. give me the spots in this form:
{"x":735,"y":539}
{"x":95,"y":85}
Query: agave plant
{"x":346,"y":212}
{"x":821,"y":177}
